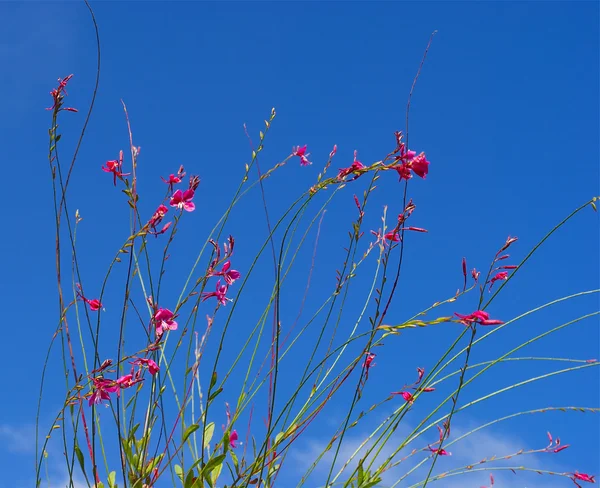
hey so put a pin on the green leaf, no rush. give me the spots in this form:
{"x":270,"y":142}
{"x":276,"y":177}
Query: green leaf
{"x":179,"y":472}
{"x":208,"y":434}
{"x":213,"y":463}
{"x":189,"y":431}
{"x":213,"y":380}
{"x":189,"y":479}
{"x":111,"y":479}
{"x":214,"y":394}
{"x":80,"y":458}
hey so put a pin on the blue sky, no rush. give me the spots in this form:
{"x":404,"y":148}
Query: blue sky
{"x":506,"y":109}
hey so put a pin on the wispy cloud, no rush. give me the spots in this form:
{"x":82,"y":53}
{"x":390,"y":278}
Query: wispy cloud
{"x":17,"y":439}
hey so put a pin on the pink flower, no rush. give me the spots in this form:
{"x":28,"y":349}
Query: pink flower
{"x":229,"y":275}
{"x":440,"y":451}
{"x":94,"y":304}
{"x":479,"y":317}
{"x":355,"y":166}
{"x":163,"y":319}
{"x":220,"y":293}
{"x":59,"y":93}
{"x":583,"y":477}
{"x":503,"y":275}
{"x":420,"y":165}
{"x":233,"y":437}
{"x":369,"y":362}
{"x":173,"y":180}
{"x":115,"y":167}
{"x":392,"y":236}
{"x":403,"y":171}
{"x":157,"y":219}
{"x":183,"y":200}
{"x":101,"y":389}
{"x":149,"y":363}
{"x":406,"y":395}
{"x":301,"y":153}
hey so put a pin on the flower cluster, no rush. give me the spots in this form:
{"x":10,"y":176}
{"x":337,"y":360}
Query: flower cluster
{"x":103,"y":387}
{"x":58,"y":95}
{"x":229,"y":275}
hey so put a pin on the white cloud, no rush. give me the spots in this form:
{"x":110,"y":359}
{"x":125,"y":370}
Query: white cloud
{"x":19,"y":439}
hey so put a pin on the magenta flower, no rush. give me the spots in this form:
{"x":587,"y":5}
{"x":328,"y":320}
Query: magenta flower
{"x":393,"y":236}
{"x":478,"y":317}
{"x":229,"y":275}
{"x":440,"y":451}
{"x":59,"y":93}
{"x":420,"y":165}
{"x":503,"y":275}
{"x":301,"y":153}
{"x":163,"y":319}
{"x":583,"y":477}
{"x":115,"y":167}
{"x":355,"y":166}
{"x":233,"y":437}
{"x":149,"y":363}
{"x":173,"y":180}
{"x":183,"y":200}
{"x":369,"y":363}
{"x":101,"y":390}
{"x":94,"y":304}
{"x":221,"y":291}
{"x":403,"y":171}
{"x":406,"y":395}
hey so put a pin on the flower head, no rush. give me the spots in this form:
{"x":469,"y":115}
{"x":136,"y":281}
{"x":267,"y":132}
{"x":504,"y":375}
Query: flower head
{"x":301,"y":153}
{"x":58,"y":94}
{"x":101,"y":389}
{"x":148,"y":363}
{"x":233,"y":437}
{"x":183,"y":200}
{"x":220,"y":294}
{"x":163,"y":319}
{"x":478,"y":317}
{"x":502,"y":275}
{"x":354,"y":167}
{"x":115,"y":167}
{"x":407,"y":395}
{"x":94,"y":304}
{"x":420,"y":165}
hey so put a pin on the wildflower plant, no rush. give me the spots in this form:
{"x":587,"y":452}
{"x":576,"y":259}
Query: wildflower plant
{"x":153,"y":402}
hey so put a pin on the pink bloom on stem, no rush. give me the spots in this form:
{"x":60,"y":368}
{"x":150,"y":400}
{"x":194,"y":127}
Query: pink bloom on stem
{"x":406,"y":395}
{"x":59,"y":93}
{"x":583,"y":477}
{"x":355,"y":166}
{"x":157,"y":219}
{"x":301,"y":153}
{"x":369,"y":362}
{"x":94,"y":304}
{"x":440,"y":451}
{"x":503,"y":275}
{"x":149,"y":363}
{"x":393,"y":236}
{"x":403,"y":171}
{"x":163,"y":319}
{"x":101,"y":389}
{"x":173,"y":180}
{"x":479,"y":317}
{"x":219,"y":293}
{"x":233,"y":437}
{"x":509,"y":241}
{"x":183,"y":200}
{"x":420,"y":165}
{"x":115,"y":167}
{"x":229,"y":275}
